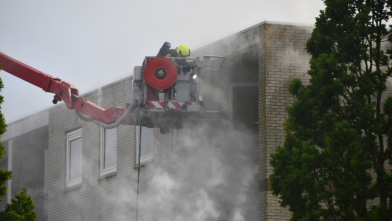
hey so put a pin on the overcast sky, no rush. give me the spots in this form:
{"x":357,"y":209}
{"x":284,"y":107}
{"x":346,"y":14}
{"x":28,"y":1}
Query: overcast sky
{"x":93,"y":43}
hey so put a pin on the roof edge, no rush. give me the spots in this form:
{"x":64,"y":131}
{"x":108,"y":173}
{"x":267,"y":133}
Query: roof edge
{"x":255,"y":26}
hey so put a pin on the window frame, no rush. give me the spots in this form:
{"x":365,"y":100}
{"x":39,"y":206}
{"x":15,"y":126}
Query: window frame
{"x":103,"y":171}
{"x":73,"y":135}
{"x":231,"y":98}
{"x":146,"y":158}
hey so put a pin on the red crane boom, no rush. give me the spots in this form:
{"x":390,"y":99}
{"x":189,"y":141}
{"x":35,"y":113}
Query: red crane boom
{"x":63,"y":91}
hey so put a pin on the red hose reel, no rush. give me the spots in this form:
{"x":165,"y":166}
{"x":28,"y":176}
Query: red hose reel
{"x":160,"y":73}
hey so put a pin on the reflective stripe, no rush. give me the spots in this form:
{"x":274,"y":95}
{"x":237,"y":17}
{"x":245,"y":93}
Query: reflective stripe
{"x":171,"y":105}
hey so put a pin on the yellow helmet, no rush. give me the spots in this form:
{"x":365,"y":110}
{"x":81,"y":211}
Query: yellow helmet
{"x":183,"y":50}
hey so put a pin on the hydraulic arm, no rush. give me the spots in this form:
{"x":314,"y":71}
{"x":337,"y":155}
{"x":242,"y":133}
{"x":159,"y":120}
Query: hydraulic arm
{"x":66,"y":92}
{"x":165,"y":93}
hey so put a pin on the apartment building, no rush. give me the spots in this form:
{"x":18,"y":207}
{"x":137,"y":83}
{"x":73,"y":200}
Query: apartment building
{"x":81,"y":171}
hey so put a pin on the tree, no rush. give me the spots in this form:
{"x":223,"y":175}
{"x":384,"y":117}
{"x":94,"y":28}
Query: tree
{"x":335,"y":163}
{"x":4,"y":174}
{"x":22,"y":207}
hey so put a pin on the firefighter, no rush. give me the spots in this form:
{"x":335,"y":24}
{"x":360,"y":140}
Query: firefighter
{"x":183,"y":51}
{"x":180,"y":51}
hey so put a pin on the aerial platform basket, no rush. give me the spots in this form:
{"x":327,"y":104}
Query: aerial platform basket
{"x":168,"y":92}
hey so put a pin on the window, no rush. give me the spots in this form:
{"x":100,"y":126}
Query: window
{"x":74,"y":157}
{"x":108,"y":151}
{"x":147,"y":144}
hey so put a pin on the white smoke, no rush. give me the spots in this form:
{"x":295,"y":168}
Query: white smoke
{"x":212,"y":177}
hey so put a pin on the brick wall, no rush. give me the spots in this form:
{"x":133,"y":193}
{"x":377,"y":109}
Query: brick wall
{"x":282,"y":57}
{"x":110,"y":197}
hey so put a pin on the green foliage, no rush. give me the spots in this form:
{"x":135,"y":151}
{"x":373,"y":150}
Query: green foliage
{"x":335,"y":163}
{"x":4,"y":174}
{"x":22,"y":207}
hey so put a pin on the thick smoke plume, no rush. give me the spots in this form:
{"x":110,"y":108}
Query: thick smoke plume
{"x":208,"y":173}
{"x":212,"y":177}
